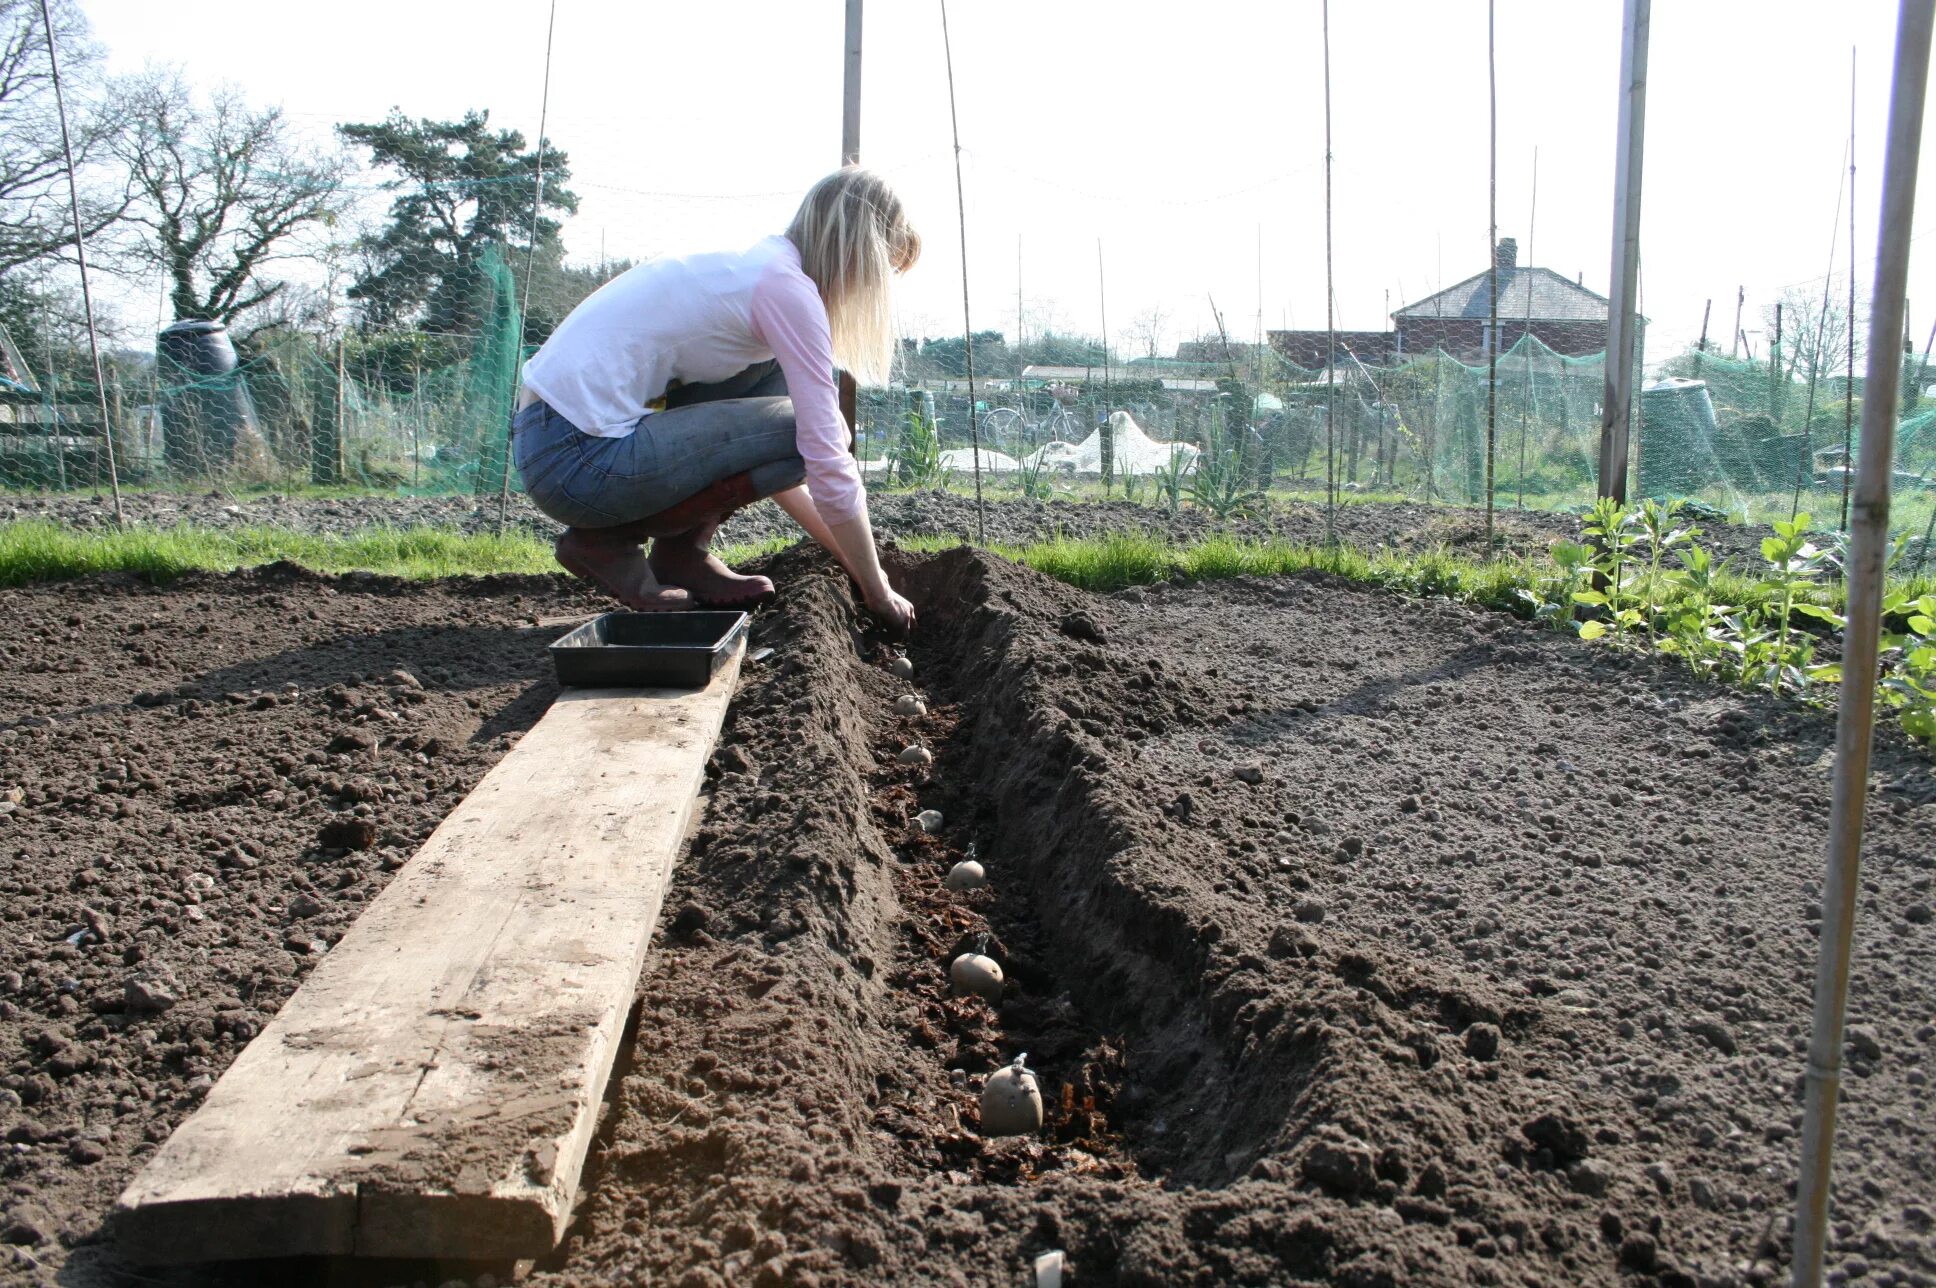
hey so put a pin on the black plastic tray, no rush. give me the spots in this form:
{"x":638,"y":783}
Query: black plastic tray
{"x":647,"y":650}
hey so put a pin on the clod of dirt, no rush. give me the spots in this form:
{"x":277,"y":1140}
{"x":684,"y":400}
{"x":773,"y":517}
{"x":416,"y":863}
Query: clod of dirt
{"x":148,"y":996}
{"x":902,"y":667}
{"x":1590,"y":1177}
{"x":1343,"y":1166}
{"x":1011,"y":1102}
{"x":909,"y":704}
{"x":1081,"y":626}
{"x":1559,"y":1134}
{"x":347,"y":834}
{"x":966,"y":875}
{"x":1482,"y":1041}
{"x":916,"y":755}
{"x":929,"y":821}
{"x":980,"y":976}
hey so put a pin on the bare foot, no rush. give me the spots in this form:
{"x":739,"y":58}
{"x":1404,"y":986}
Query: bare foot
{"x":683,"y":561}
{"x":621,"y":571}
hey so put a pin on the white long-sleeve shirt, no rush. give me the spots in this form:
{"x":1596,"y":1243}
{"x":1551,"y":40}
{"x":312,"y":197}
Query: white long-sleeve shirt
{"x":699,"y":319}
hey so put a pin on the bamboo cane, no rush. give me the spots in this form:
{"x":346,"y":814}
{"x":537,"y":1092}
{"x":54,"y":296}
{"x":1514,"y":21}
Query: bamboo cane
{"x":1869,"y":543}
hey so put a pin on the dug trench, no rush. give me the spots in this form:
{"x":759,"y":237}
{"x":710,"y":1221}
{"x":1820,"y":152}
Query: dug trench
{"x":1353,"y":940}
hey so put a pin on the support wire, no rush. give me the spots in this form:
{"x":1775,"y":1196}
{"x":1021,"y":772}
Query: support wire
{"x":530,"y":257}
{"x":80,"y":254}
{"x":967,"y":330}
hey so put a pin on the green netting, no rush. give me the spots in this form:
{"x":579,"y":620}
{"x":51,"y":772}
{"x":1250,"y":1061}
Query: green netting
{"x":412,"y":410}
{"x":426,"y":412}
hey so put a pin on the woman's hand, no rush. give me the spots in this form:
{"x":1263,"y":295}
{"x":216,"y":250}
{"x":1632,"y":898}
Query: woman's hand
{"x":895,"y":612}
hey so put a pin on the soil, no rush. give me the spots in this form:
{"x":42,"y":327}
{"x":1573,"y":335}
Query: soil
{"x":1007,"y":521}
{"x":203,"y":785}
{"x":1353,"y":939}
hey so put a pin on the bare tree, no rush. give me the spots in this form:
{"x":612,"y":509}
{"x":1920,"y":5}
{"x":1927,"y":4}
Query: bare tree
{"x":1147,"y":331}
{"x":1814,"y":341}
{"x":36,"y":225}
{"x":221,"y":193}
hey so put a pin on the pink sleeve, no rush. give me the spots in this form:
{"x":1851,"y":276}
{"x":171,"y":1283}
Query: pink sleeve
{"x":789,"y":319}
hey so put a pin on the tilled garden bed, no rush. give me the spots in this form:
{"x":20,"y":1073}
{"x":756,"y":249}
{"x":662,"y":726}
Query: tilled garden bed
{"x":1354,"y":939}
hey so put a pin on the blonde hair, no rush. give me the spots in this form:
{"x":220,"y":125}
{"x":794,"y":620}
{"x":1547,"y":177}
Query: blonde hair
{"x":853,"y":236}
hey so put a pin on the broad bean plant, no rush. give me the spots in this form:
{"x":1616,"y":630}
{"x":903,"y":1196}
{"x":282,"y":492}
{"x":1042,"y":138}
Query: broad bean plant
{"x":1642,"y":580}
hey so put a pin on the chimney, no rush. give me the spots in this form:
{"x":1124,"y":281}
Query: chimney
{"x":1507,"y":255}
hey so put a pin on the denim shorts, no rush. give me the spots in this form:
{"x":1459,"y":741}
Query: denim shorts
{"x":706,"y":433}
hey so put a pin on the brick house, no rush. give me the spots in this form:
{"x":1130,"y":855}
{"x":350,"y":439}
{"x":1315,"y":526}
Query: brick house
{"x":1563,"y":315}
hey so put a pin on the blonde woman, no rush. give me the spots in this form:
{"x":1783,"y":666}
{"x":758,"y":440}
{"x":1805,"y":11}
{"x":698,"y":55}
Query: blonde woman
{"x":687,"y":387}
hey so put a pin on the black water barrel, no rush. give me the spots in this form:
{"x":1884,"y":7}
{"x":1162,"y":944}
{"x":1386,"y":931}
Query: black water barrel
{"x":205,"y":401}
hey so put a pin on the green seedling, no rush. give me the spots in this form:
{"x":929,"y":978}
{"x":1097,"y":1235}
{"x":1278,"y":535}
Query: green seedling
{"x":1910,"y":685}
{"x":1614,"y":531}
{"x":1170,"y":478}
{"x":916,"y":458}
{"x":1551,"y":597}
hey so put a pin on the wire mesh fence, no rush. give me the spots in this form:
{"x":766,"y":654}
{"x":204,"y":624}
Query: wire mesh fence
{"x":422,"y":412}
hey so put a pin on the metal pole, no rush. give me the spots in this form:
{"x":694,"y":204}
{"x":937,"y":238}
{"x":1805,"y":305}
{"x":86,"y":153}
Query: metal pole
{"x":80,"y":253}
{"x":1869,"y":544}
{"x":1623,"y":278}
{"x":1848,"y":394}
{"x":849,"y":391}
{"x":850,"y":94}
{"x":961,"y":217}
{"x":1526,"y":333}
{"x":1330,"y":319}
{"x":1492,"y":345}
{"x":1105,"y":437}
{"x":1817,"y":358}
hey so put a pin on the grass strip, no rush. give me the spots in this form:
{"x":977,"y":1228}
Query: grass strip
{"x":36,"y":550}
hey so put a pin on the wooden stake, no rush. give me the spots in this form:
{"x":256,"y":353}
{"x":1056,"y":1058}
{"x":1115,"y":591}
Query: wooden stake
{"x":1869,"y":544}
{"x":342,"y":416}
{"x":1623,"y":278}
{"x":1740,"y":298}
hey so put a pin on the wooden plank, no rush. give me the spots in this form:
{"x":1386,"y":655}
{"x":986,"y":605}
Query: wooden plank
{"x":432,"y":1088}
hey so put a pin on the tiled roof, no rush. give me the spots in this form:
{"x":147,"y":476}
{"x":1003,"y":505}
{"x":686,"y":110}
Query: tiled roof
{"x":1552,"y":298}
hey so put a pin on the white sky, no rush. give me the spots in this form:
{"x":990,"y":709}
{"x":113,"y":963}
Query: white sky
{"x":1173,"y":134}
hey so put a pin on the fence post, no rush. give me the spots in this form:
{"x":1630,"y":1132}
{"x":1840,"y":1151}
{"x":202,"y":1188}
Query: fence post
{"x":1623,"y":279}
{"x":342,"y":413}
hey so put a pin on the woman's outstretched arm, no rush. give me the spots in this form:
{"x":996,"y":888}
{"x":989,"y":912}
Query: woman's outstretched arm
{"x":852,"y":543}
{"x":799,"y":506}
